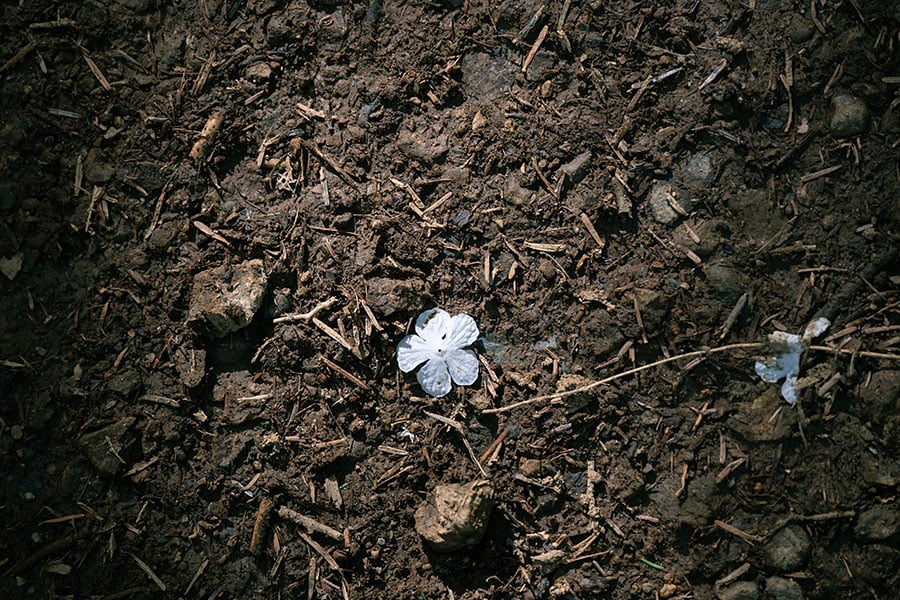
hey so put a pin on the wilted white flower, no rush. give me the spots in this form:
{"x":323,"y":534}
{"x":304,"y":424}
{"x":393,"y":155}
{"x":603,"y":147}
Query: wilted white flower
{"x":440,"y":342}
{"x":786,"y":364}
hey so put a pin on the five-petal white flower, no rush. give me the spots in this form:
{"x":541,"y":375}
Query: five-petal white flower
{"x":786,"y":364}
{"x":440,"y":342}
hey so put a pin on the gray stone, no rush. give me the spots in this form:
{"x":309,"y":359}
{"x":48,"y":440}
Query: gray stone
{"x":850,"y":116}
{"x":259,"y":72}
{"x":698,"y":169}
{"x":781,"y":588}
{"x":661,"y":198}
{"x":788,"y":549}
{"x":224,"y":299}
{"x":725,"y":283}
{"x":878,"y":523}
{"x":102,"y":446}
{"x":741,"y":590}
{"x":577,"y":168}
{"x":800,"y":29}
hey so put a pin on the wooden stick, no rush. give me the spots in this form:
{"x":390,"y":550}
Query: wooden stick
{"x":208,"y":134}
{"x":310,"y":524}
{"x":594,"y":384}
{"x":294,"y":317}
{"x":18,"y":56}
{"x":535,"y":47}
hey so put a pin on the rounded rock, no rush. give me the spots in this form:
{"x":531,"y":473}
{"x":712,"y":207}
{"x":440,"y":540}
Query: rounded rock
{"x":788,"y":549}
{"x":457,"y":516}
{"x":741,"y":590}
{"x":850,"y":116}
{"x":781,"y":588}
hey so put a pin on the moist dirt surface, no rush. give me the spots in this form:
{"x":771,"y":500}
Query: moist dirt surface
{"x":220,"y":218}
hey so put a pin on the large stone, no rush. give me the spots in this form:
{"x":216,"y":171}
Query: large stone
{"x":457,"y":515}
{"x":224,"y":299}
{"x":741,"y":590}
{"x":781,"y":588}
{"x":725,"y":283}
{"x":697,"y":171}
{"x":850,"y":116}
{"x":788,"y":549}
{"x":663,"y":200}
{"x":426,"y":150}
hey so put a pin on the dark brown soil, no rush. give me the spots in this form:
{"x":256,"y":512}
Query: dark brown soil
{"x":601,"y":185}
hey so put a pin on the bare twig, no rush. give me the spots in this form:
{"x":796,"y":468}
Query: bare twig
{"x":598,"y":383}
{"x":294,"y":317}
{"x":310,"y":524}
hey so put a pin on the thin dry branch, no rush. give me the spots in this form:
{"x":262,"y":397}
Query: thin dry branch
{"x":598,"y":383}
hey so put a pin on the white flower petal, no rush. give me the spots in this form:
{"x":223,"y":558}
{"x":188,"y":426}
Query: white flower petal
{"x":815,"y":329}
{"x":789,"y":390}
{"x":463,"y":366}
{"x":769,"y":373}
{"x":434,"y":377}
{"x":463,"y":331}
{"x":412,"y":351}
{"x":433,"y":325}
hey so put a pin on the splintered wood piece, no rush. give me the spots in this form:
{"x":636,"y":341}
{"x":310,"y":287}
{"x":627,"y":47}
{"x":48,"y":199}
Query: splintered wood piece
{"x":104,"y":83}
{"x":747,"y":537}
{"x":345,"y":373}
{"x":714,"y":73}
{"x":18,"y":56}
{"x":819,"y":174}
{"x":261,"y":526}
{"x":310,"y":524}
{"x":146,"y":569}
{"x":205,"y":229}
{"x":330,"y":332}
{"x":586,"y":221}
{"x":203,"y":76}
{"x":334,"y":165}
{"x":294,"y":317}
{"x":207,"y":135}
{"x":535,"y":47}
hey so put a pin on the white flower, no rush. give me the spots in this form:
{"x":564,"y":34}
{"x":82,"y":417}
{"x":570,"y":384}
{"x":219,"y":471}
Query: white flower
{"x":787,"y":363}
{"x":439,"y":342}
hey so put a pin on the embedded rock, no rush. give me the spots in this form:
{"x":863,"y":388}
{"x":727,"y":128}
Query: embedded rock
{"x":788,"y":549}
{"x":457,"y":515}
{"x":850,"y":116}
{"x":224,"y":299}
